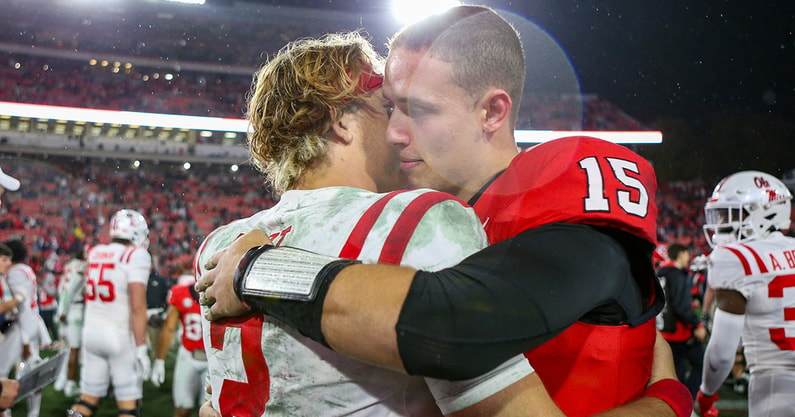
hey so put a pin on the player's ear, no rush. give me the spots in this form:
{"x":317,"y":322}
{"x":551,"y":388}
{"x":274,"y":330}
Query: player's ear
{"x":343,"y":129}
{"x":496,"y":105}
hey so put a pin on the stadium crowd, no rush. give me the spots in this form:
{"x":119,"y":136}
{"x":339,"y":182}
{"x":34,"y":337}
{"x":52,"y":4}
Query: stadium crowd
{"x":64,"y":211}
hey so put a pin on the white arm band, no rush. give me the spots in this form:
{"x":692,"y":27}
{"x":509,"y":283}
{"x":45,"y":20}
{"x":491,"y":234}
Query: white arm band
{"x":727,"y":329}
{"x":453,"y":396}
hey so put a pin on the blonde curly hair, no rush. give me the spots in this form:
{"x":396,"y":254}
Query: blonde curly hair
{"x":297,"y":96}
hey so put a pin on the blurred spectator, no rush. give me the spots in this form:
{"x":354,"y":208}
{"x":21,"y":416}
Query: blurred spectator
{"x":156,"y":303}
{"x":680,"y":325}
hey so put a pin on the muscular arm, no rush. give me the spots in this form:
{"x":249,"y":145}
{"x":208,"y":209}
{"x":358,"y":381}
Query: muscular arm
{"x":137,"y":293}
{"x":462,"y":321}
{"x":167,"y":332}
{"x":727,"y":330}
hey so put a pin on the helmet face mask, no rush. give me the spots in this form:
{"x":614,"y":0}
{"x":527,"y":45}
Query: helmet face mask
{"x":746,"y":206}
{"x":130,"y":225}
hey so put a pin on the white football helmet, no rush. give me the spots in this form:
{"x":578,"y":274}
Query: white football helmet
{"x":131,"y":225}
{"x":744,"y":206}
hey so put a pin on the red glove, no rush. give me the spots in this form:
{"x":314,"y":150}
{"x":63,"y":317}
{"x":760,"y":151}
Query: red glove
{"x":706,"y":404}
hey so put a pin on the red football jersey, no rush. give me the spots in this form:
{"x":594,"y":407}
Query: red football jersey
{"x":572,"y":180}
{"x":584,"y":180}
{"x":190,"y":315}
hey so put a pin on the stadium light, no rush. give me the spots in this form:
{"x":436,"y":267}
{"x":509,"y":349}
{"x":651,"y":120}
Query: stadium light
{"x":187,"y":1}
{"x":123,"y":117}
{"x":407,"y":11}
{"x":635,"y":136}
{"x":218,"y":124}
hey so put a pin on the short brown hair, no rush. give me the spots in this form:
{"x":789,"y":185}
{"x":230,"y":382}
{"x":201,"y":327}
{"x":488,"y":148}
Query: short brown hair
{"x":484,"y":49}
{"x":674,"y":249}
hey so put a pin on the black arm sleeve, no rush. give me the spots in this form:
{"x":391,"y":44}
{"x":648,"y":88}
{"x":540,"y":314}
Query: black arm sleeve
{"x":511,"y":297}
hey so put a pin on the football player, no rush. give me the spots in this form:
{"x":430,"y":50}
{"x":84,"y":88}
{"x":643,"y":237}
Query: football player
{"x":114,"y":331}
{"x":71,"y":306}
{"x":190,"y":369}
{"x":752,"y":269}
{"x":33,"y":331}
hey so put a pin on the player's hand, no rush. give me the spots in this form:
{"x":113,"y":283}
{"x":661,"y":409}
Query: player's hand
{"x":9,"y":394}
{"x":700,"y":334}
{"x":159,"y":372}
{"x":706,"y":404}
{"x":207,"y":410}
{"x":217,"y":283}
{"x":142,"y":362}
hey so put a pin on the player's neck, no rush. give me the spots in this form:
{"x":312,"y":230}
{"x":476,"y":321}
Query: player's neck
{"x":321,"y":178}
{"x":493,"y":164}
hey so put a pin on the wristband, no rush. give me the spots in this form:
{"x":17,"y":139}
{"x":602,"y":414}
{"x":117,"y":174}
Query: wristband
{"x":301,"y":281}
{"x":674,"y":393}
{"x":285,"y":273}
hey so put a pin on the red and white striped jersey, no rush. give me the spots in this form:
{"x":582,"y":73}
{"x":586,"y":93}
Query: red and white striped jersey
{"x":189,"y":314}
{"x":260,"y":367}
{"x":111,"y":268}
{"x":763,"y":271}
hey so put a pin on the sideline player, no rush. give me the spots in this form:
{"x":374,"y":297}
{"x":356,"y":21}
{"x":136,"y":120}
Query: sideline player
{"x":114,"y":332}
{"x":752,"y":269}
{"x":455,"y":80}
{"x":9,"y":303}
{"x":31,"y":327}
{"x":71,"y":307}
{"x":190,"y":369}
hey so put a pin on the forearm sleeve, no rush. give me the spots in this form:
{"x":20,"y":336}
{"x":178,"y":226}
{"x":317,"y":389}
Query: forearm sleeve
{"x":727,"y":329}
{"x":511,"y":297}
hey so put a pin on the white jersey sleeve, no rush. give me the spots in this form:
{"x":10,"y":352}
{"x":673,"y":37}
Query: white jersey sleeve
{"x":138,"y":266}
{"x":733,"y":267}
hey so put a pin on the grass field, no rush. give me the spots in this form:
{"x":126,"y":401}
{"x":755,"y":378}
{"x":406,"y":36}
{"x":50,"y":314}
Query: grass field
{"x":157,"y":400}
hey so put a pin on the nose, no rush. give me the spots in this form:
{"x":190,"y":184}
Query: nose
{"x":398,"y":130}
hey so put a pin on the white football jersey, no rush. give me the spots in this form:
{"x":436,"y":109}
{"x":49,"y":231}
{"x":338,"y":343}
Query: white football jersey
{"x":72,"y":285}
{"x":110,"y":268}
{"x":260,"y":367}
{"x":763,"y":271}
{"x":22,"y":280}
